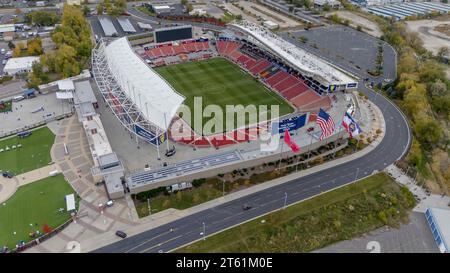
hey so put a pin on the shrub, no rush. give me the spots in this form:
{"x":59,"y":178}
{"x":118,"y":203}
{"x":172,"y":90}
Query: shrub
{"x":198,"y":182}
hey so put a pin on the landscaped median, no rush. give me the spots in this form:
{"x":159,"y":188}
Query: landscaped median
{"x":334,"y":216}
{"x":34,"y":210}
{"x":208,"y":189}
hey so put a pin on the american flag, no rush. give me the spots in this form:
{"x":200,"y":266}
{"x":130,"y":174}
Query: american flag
{"x":326,"y":123}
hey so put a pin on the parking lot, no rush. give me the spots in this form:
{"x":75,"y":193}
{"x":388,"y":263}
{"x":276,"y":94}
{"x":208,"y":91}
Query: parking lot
{"x":350,"y":49}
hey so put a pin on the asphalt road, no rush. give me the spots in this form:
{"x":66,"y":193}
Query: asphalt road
{"x":189,"y":228}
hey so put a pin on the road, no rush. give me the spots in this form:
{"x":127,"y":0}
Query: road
{"x":189,"y":229}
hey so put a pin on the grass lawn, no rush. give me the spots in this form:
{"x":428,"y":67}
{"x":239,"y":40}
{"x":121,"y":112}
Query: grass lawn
{"x":34,"y":153}
{"x":35,"y":203}
{"x":5,"y":106}
{"x":220,"y":82}
{"x":338,"y":215}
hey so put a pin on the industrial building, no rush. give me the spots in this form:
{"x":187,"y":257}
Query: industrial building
{"x":401,"y":11}
{"x":20,"y":65}
{"x":439,"y":221}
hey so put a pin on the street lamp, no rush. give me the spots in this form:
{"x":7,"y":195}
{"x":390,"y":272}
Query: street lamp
{"x":356,"y":176}
{"x":204,"y":230}
{"x":149,"y":208}
{"x":285,"y":200}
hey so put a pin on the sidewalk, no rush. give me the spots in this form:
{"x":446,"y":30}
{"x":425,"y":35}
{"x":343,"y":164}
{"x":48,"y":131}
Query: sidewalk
{"x":9,"y":186}
{"x":426,"y":200}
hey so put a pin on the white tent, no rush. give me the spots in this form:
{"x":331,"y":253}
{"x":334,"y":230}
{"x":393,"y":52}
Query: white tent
{"x":66,"y":85}
{"x":70,"y":202}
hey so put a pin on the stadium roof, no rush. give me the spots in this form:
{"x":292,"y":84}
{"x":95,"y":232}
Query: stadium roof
{"x":107,"y":26}
{"x":126,"y":25}
{"x":157,"y":101}
{"x":297,"y":57}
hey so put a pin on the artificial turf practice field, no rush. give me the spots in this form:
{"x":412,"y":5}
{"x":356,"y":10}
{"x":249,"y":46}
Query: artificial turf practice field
{"x":220,"y":82}
{"x":35,"y":203}
{"x":34,"y":153}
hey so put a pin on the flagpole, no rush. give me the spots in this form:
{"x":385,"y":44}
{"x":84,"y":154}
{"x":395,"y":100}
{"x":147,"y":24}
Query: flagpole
{"x":309,"y":151}
{"x":165,"y":123}
{"x":281,"y":153}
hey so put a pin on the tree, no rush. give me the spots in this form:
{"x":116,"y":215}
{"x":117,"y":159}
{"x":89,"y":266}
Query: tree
{"x":443,"y":53}
{"x":34,"y":47}
{"x":11,"y":45}
{"x":17,"y":52}
{"x":42,"y":18}
{"x":100,"y":9}
{"x":430,"y":71}
{"x":86,"y":10}
{"x":428,"y":130}
{"x":438,"y":88}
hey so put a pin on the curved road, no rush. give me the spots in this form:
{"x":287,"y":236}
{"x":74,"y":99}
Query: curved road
{"x":188,"y":229}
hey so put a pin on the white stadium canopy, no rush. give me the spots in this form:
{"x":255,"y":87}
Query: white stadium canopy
{"x":299,"y":58}
{"x":157,"y":101}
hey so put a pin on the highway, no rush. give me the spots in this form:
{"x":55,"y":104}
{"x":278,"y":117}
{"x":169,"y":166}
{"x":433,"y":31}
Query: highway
{"x":190,"y":228}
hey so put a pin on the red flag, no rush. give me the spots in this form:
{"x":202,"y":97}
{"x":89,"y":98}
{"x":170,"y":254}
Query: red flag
{"x":288,"y":141}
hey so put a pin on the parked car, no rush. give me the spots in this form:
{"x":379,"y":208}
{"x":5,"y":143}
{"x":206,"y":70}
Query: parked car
{"x":110,"y":203}
{"x":121,"y":234}
{"x":8,"y":174}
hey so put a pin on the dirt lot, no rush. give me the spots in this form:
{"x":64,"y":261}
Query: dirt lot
{"x":432,"y":39}
{"x":357,"y":20}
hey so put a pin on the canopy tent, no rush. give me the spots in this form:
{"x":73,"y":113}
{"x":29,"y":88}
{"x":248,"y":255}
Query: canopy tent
{"x":66,"y":85}
{"x":64,"y":95}
{"x":70,"y":202}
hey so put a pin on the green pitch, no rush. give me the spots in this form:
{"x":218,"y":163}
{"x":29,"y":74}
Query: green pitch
{"x":34,"y":153}
{"x":221,"y":82}
{"x":35,"y":203}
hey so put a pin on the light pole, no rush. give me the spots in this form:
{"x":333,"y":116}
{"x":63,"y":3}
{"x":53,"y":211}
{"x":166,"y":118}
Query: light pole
{"x":356,"y":176}
{"x":204,"y":230}
{"x":285,"y":200}
{"x":149,"y":208}
{"x":223,"y":187}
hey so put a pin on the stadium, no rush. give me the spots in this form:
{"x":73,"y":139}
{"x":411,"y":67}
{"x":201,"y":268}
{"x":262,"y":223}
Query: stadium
{"x":245,"y":64}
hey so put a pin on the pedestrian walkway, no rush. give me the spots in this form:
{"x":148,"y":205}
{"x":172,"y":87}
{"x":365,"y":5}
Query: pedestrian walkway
{"x":9,"y":186}
{"x":76,"y":167}
{"x":426,"y":199}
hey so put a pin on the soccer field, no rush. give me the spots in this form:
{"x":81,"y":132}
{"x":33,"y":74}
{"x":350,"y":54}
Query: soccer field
{"x":31,"y":207}
{"x":34,"y":153}
{"x":221,"y":82}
